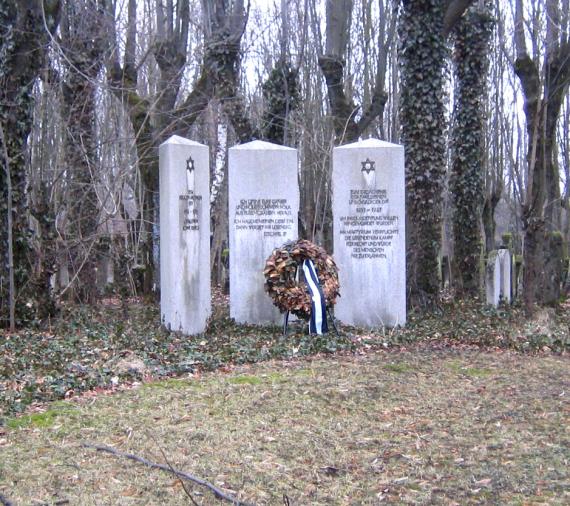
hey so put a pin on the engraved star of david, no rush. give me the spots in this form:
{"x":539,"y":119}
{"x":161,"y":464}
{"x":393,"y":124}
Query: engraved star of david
{"x":190,"y":165}
{"x":368,"y":166}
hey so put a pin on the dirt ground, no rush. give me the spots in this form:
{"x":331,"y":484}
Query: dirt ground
{"x":415,"y":427}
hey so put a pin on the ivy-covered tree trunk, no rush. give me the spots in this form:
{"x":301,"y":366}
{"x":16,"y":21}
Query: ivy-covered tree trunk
{"x":423,"y":53}
{"x":281,"y":96}
{"x":23,"y":45}
{"x":46,"y":253}
{"x":423,"y":28}
{"x":467,"y":185}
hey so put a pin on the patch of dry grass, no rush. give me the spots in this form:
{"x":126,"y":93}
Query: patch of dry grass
{"x":413,"y":428}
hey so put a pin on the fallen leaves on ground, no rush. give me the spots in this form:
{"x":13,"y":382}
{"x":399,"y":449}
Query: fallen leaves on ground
{"x":95,"y":348}
{"x":405,"y":427}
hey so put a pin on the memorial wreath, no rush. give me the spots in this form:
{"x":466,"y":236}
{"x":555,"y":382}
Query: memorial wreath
{"x":281,"y":283}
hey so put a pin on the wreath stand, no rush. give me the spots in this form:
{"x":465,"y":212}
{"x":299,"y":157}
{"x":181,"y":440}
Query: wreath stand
{"x":290,"y":295}
{"x":286,"y":322}
{"x":286,"y":315}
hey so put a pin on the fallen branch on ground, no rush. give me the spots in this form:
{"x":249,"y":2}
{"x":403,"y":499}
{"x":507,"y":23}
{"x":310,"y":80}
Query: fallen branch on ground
{"x":218,"y":493}
{"x":172,"y":470}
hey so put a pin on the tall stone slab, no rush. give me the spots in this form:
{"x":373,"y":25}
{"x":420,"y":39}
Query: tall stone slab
{"x":493,"y":279}
{"x":505,"y":259}
{"x":369,"y":233}
{"x":263,"y":211}
{"x":185,"y":302}
{"x":498,"y":277}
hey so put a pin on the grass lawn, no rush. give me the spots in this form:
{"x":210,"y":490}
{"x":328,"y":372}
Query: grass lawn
{"x":423,"y":426}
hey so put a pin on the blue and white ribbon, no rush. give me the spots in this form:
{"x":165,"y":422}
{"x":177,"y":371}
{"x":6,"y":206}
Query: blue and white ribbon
{"x":318,"y":321}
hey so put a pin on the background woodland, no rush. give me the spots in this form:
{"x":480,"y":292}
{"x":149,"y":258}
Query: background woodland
{"x":477,"y":92}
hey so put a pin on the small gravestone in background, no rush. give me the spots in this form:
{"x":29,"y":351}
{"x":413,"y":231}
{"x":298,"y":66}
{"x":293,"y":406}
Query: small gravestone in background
{"x":369,"y":233}
{"x":263,"y":212}
{"x":185,"y":302}
{"x":498,"y":277}
{"x":508,"y":241}
{"x":506,"y":274}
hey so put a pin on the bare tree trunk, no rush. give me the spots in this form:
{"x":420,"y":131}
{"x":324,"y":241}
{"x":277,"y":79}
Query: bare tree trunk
{"x":224,"y":24}
{"x":220,"y":245}
{"x":542,"y":104}
{"x":492,"y":198}
{"x":82,"y":44}
{"x":9,"y":233}
{"x":315,"y":140}
{"x":343,"y":109}
{"x":564,"y":146}
{"x":499,"y":136}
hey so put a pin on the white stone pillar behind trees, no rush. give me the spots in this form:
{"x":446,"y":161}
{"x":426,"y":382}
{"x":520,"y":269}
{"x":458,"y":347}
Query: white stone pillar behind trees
{"x":369,"y":233}
{"x":263,"y":211}
{"x":505,"y":259}
{"x":185,"y":302}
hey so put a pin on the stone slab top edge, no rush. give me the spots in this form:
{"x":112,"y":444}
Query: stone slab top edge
{"x":262,"y":145}
{"x":369,"y":143}
{"x":176,"y":139}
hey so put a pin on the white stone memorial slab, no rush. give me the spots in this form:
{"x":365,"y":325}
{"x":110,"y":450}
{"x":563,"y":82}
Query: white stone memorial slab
{"x":263,"y":212}
{"x":185,"y":302}
{"x":369,"y":233}
{"x":506,"y":274}
{"x":498,"y":285}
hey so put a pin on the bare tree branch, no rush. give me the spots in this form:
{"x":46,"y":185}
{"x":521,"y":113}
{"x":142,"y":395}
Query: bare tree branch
{"x":172,"y":470}
{"x":454,"y":10}
{"x":218,"y":493}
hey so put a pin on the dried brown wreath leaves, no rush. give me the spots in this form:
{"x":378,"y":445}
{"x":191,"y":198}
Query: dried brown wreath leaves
{"x":286,"y":292}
